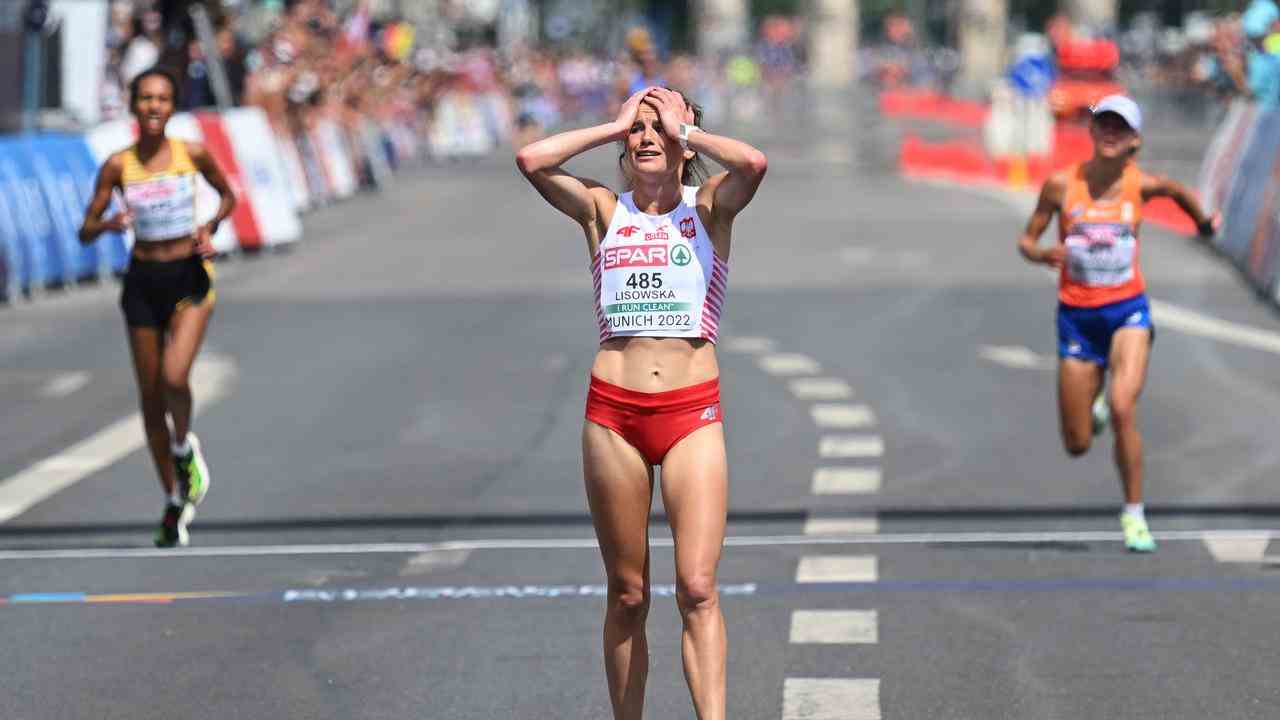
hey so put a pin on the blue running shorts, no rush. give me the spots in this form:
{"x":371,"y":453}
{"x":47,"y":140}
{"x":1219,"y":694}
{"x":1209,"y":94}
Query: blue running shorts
{"x":1085,"y":333}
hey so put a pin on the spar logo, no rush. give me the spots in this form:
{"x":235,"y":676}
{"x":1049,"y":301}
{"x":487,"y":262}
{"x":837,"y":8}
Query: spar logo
{"x":628,"y":256}
{"x":628,"y":231}
{"x":681,"y":255}
{"x":687,"y":228}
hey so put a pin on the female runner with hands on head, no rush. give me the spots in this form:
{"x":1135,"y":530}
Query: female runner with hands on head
{"x":659,"y":256}
{"x":168,"y":296}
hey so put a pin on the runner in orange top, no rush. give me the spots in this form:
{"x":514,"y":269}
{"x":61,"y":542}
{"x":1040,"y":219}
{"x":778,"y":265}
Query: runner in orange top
{"x":1104,"y":319}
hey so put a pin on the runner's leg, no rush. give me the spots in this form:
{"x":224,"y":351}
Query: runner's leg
{"x":1078,"y":383}
{"x":619,"y":492}
{"x":146,"y":344}
{"x":695,"y":491}
{"x":1130,"y":352}
{"x":186,"y":333}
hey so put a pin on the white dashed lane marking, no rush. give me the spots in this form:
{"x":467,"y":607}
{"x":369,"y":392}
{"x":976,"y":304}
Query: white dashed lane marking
{"x":835,"y":627}
{"x":64,"y":384}
{"x":749,"y":345}
{"x":845,"y":481}
{"x":1237,"y":549}
{"x":869,"y":525}
{"x":789,"y":364}
{"x":821,"y":389}
{"x":830,"y":699}
{"x":842,"y":416}
{"x":211,"y":377}
{"x":837,"y":569}
{"x":850,"y":446}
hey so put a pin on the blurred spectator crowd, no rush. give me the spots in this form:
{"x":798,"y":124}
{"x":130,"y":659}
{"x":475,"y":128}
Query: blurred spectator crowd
{"x":307,"y":64}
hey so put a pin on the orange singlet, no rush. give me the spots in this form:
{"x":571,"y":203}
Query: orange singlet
{"x":1101,"y":237}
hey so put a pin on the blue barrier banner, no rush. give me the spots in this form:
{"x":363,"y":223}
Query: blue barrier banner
{"x":11,"y":281}
{"x":33,"y":230}
{"x":30,"y":223}
{"x":65,"y":195}
{"x":110,"y":253}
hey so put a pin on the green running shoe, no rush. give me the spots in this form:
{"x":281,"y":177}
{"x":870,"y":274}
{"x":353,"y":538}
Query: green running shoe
{"x":1101,"y":412}
{"x":173,"y":526}
{"x":1137,"y":536}
{"x":193,"y":472}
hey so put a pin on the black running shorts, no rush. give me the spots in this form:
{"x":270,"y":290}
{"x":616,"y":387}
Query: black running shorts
{"x":153,"y":291}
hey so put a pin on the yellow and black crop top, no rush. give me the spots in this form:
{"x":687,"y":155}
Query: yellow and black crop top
{"x":163,"y":203}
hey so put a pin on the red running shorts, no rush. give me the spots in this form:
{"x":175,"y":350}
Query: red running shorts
{"x":653,"y":422}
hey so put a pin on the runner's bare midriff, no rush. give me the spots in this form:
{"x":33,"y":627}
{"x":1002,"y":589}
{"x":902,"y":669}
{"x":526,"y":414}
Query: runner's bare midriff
{"x":649,"y":364}
{"x":165,"y":250}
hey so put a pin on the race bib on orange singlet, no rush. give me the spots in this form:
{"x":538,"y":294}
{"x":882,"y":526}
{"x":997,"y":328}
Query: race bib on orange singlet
{"x":1101,"y":254}
{"x":163,"y":207}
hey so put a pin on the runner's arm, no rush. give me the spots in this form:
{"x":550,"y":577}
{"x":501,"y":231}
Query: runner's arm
{"x":1029,"y":242}
{"x":1154,"y":186}
{"x":94,"y":225}
{"x":576,"y":197}
{"x":731,"y":191}
{"x":540,"y":163}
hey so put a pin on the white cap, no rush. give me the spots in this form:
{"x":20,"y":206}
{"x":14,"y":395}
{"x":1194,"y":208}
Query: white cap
{"x":1122,"y":106}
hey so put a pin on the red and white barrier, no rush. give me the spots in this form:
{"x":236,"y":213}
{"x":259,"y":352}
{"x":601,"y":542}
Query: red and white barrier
{"x":263,"y":174}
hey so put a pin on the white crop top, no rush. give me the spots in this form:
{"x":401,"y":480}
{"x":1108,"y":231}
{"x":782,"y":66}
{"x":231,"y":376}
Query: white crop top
{"x":658,"y":275}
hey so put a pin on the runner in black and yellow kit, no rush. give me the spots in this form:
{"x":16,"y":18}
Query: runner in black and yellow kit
{"x":168,"y":295}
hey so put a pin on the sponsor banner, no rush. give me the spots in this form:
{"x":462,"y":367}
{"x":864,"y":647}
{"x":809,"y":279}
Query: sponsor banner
{"x":460,"y":127}
{"x":1245,"y":202}
{"x":1260,"y":243}
{"x":331,"y":143}
{"x":378,"y":152}
{"x":219,"y":146}
{"x":185,"y":126}
{"x":1240,"y":176}
{"x":1220,"y":168}
{"x":41,"y":259}
{"x":625,"y":256}
{"x":12,"y":280}
{"x":264,"y":175}
{"x":295,"y":174}
{"x":66,"y":171}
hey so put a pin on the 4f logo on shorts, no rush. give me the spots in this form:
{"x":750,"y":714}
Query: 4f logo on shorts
{"x":687,"y":228}
{"x":1134,"y":319}
{"x":710,"y":413}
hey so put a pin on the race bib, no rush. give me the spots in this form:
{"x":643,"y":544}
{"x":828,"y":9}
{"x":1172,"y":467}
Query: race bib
{"x":1101,"y":254}
{"x":650,"y":287}
{"x":163,"y":207}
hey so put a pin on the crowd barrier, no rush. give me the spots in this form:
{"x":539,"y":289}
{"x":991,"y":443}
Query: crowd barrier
{"x":47,"y":179}
{"x":970,"y":158}
{"x":1240,"y":177}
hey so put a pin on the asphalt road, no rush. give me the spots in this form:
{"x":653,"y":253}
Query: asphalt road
{"x":397,"y":529}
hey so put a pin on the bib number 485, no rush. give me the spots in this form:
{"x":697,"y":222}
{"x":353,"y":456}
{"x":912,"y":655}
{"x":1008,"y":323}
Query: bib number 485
{"x":645,"y":281}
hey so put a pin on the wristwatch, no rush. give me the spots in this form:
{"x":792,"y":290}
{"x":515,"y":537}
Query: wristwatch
{"x":685,"y":131}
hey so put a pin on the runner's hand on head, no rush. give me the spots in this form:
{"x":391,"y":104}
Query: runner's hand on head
{"x":671,"y":110}
{"x":628,"y":112}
